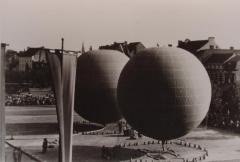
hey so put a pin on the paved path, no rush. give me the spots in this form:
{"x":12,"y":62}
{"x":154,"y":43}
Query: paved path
{"x":222,"y":145}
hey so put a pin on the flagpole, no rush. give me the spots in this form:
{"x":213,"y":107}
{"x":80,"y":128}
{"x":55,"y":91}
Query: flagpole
{"x":2,"y":102}
{"x":61,"y":152}
{"x":62,"y":45}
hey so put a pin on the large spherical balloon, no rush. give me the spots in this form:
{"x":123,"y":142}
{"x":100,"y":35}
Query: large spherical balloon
{"x":98,"y":72}
{"x":164,"y":92}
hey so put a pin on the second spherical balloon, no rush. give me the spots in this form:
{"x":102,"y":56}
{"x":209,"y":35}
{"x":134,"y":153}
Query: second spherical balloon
{"x":98,"y":72}
{"x":164,"y":92}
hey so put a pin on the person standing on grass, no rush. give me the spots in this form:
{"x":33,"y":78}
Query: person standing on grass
{"x":44,"y":145}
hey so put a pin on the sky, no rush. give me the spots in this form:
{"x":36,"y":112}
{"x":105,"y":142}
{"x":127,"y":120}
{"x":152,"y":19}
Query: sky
{"x":34,"y":23}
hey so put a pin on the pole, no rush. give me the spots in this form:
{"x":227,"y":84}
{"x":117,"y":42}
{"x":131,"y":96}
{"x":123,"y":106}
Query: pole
{"x":61,"y":152}
{"x":2,"y":102}
{"x":62,"y":45}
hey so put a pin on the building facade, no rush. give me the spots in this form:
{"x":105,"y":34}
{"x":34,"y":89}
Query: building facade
{"x":25,"y":63}
{"x":222,"y":64}
{"x":30,"y":59}
{"x":223,"y":68}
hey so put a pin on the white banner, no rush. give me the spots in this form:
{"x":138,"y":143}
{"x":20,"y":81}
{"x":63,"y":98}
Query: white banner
{"x":63,"y":77}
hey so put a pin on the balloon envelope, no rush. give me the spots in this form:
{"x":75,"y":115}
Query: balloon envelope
{"x":164,"y":92}
{"x":98,"y":72}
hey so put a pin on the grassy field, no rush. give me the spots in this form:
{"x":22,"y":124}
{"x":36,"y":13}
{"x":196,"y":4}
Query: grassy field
{"x":35,"y":120}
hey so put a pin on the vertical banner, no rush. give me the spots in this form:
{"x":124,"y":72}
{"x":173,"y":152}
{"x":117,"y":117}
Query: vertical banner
{"x":55,"y":65}
{"x":63,"y":70}
{"x":69,"y":66}
{"x":2,"y":103}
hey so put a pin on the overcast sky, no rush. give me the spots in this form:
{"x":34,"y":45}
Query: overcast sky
{"x":99,"y":22}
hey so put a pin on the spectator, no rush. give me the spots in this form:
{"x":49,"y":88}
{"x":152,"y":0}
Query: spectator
{"x":29,"y":99}
{"x":44,"y":145}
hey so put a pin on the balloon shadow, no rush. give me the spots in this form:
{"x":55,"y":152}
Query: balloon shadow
{"x":95,"y":153}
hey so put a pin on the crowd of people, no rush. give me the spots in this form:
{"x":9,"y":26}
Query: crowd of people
{"x":224,"y":111}
{"x":29,"y":99}
{"x":221,"y":121}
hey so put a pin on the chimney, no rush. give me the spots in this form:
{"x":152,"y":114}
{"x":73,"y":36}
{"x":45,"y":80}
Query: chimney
{"x":211,"y":42}
{"x":211,"y":39}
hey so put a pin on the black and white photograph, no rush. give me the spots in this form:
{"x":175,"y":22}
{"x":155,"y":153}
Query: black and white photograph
{"x":120,"y":81}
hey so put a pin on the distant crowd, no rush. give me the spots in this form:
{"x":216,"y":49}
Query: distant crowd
{"x":218,"y":120}
{"x":224,"y":111}
{"x":29,"y":99}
